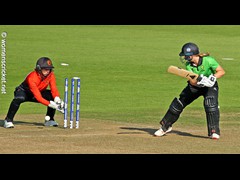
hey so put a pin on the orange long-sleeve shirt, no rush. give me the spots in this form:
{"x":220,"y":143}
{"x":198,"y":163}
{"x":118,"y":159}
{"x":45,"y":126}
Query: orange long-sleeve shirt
{"x":37,"y":84}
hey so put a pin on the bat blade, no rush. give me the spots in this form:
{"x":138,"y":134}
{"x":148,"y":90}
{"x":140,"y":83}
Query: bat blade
{"x":183,"y":73}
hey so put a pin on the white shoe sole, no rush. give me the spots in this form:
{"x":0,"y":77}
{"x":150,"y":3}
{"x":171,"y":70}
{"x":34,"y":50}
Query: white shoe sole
{"x":160,"y":132}
{"x":169,"y":129}
{"x":8,"y":124}
{"x":214,"y":136}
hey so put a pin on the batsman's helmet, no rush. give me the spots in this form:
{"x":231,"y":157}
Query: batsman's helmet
{"x":44,"y":63}
{"x":189,"y":49}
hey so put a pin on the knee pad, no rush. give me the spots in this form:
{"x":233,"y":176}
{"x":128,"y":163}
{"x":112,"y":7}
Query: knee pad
{"x":210,"y":104}
{"x":19,"y":99}
{"x":176,"y":106}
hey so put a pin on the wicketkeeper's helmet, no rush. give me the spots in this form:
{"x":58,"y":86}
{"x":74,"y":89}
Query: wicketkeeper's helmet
{"x":189,"y":49}
{"x":44,"y":63}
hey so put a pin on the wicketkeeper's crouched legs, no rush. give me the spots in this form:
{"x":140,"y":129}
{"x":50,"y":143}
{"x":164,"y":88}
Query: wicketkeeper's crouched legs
{"x":50,"y":112}
{"x":14,"y":106}
{"x":48,"y":95}
{"x":172,"y":115}
{"x":212,"y":115}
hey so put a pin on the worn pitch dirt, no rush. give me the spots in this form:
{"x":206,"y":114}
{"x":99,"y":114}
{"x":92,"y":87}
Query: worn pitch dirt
{"x":108,"y":137}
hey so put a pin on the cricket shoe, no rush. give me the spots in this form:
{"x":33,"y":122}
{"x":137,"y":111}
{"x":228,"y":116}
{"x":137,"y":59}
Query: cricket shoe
{"x":51,"y":123}
{"x":160,"y":132}
{"x":8,"y":124}
{"x":214,"y":136}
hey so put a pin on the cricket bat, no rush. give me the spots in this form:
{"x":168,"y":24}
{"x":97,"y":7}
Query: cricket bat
{"x":183,"y":73}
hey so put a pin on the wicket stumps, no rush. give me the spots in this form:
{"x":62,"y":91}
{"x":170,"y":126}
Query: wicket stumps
{"x":71,"y":120}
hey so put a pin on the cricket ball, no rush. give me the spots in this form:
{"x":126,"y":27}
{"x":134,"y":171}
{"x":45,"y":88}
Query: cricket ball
{"x":47,"y":118}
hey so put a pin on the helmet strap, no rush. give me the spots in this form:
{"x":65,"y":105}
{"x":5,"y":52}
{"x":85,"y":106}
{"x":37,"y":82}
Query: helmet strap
{"x":188,"y":58}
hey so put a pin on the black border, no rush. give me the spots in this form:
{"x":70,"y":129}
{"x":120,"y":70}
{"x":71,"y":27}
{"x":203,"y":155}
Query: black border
{"x":120,"y":13}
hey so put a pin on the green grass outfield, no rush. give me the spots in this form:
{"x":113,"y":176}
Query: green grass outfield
{"x":123,"y":67}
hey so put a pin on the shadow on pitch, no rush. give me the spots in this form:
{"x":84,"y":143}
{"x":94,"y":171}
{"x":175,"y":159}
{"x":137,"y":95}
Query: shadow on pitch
{"x":151,"y":131}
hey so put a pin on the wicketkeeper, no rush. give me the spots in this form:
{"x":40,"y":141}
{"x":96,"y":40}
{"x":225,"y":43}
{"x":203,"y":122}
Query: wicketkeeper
{"x":209,"y":71}
{"x":34,"y":89}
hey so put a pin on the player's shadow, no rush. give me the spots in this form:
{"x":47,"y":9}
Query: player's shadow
{"x":151,"y":131}
{"x":16,"y":122}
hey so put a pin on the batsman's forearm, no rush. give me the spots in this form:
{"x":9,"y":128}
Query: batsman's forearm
{"x":219,"y":72}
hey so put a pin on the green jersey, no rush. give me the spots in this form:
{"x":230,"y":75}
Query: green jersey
{"x":207,"y":66}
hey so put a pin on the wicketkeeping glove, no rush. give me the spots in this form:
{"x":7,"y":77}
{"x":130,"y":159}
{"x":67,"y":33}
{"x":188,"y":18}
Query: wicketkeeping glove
{"x":54,"y":105}
{"x":207,"y":81}
{"x":59,"y":102}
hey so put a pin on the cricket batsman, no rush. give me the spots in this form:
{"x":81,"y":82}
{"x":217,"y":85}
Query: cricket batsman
{"x":206,"y":86}
{"x":34,"y":89}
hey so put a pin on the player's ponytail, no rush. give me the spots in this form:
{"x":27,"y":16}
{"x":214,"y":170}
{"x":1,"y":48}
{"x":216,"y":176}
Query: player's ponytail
{"x":204,"y":54}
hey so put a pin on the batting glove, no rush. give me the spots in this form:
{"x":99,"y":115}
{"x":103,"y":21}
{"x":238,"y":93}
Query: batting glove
{"x":207,"y":81}
{"x":211,"y":80}
{"x":201,"y":80}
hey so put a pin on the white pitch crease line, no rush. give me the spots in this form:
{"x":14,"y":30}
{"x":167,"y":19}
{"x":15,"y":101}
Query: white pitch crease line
{"x":229,"y":59}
